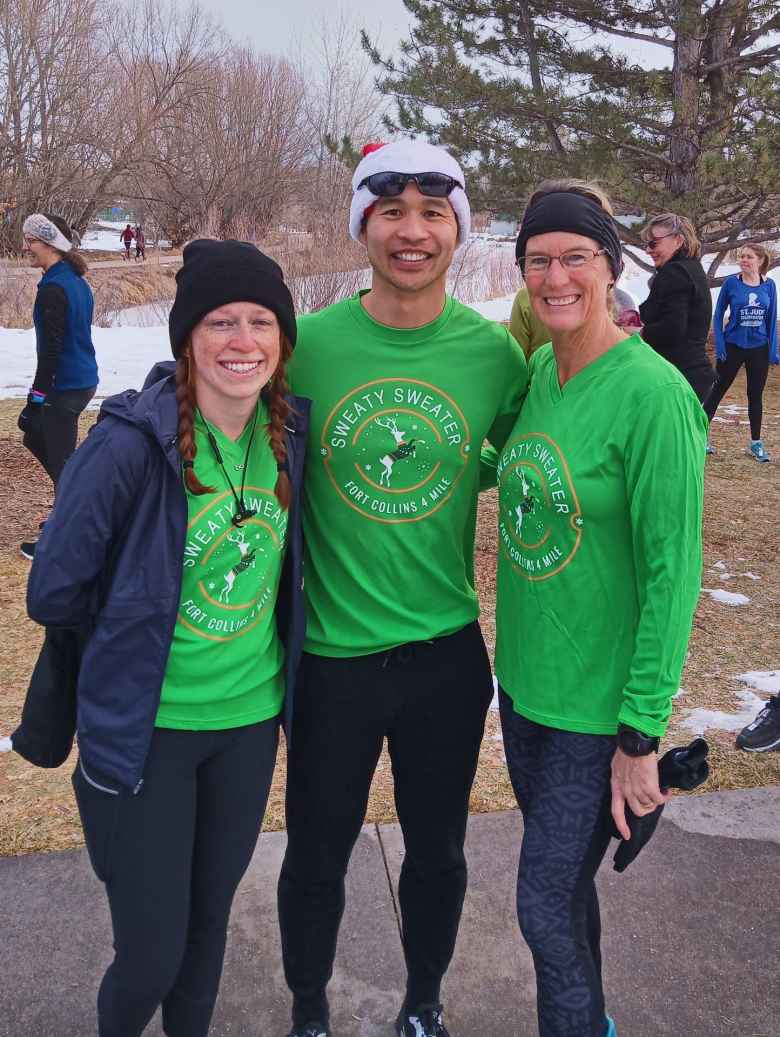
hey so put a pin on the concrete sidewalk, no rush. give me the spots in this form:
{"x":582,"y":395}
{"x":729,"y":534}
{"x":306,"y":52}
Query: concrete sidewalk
{"x":691,"y":935}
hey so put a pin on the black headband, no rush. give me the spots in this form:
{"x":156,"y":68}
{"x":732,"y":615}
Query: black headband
{"x":568,"y":211}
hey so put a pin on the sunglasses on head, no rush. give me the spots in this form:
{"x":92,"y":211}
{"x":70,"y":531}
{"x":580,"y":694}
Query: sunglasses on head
{"x":390,"y":185}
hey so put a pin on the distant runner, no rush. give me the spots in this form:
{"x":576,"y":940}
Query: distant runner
{"x":140,"y":244}
{"x":126,"y":237}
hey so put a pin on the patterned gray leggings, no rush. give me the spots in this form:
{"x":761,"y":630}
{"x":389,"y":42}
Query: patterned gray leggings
{"x":561,"y":781}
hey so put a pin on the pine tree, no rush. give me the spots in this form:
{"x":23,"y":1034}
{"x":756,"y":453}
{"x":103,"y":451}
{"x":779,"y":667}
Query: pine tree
{"x":531,"y":90}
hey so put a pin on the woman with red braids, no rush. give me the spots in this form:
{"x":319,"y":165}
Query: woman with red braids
{"x":175,"y":547}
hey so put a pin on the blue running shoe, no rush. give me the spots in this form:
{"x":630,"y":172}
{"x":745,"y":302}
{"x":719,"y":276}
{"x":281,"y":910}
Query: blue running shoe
{"x":756,"y":449}
{"x":710,"y":448}
{"x":611,"y":1032}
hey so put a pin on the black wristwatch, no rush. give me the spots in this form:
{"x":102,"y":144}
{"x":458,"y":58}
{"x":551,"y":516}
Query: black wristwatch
{"x":634,"y":743}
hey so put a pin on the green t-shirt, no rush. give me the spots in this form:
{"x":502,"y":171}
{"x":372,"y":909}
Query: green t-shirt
{"x":226,"y":663}
{"x":390,"y":494}
{"x":600,"y":551}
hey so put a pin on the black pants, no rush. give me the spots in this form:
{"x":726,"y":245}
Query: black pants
{"x":429,"y":699}
{"x":562,"y":783}
{"x":756,"y":363}
{"x":50,"y":435}
{"x":171,"y":857}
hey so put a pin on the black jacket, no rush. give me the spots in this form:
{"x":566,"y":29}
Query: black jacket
{"x":109,"y":564}
{"x":676,"y":318}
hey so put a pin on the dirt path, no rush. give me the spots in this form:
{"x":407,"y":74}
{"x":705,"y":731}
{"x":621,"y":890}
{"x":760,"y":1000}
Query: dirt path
{"x":100,"y":264}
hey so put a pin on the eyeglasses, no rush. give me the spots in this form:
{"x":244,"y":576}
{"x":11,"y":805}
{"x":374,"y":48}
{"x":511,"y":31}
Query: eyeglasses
{"x":573,"y":259}
{"x":651,"y":243}
{"x":390,"y":185}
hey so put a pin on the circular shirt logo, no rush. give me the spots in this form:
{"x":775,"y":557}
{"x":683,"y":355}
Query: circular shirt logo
{"x":540,"y":522}
{"x":395,"y":448}
{"x":231,"y":572}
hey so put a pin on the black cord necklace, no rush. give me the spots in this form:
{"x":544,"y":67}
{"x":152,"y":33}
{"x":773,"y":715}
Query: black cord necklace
{"x":242,"y":512}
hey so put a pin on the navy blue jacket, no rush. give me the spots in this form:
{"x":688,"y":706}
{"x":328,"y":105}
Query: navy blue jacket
{"x":63,"y":331}
{"x":109,"y":562}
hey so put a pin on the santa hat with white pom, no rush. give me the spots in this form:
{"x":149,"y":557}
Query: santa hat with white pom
{"x":407,"y":156}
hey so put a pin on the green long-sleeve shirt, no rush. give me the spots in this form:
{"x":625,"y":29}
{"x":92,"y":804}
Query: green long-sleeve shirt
{"x":600,"y":493}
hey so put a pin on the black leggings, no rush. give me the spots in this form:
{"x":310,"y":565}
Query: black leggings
{"x":171,"y":857}
{"x":51,"y":433}
{"x":430,"y":700}
{"x":756,"y":363}
{"x":561,"y":780}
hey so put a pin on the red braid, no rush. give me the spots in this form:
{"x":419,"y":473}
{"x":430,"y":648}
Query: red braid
{"x":278,"y":410}
{"x":185,"y":398}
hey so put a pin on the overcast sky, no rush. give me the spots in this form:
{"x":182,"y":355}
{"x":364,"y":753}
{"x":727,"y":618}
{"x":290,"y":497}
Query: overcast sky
{"x":274,"y":26}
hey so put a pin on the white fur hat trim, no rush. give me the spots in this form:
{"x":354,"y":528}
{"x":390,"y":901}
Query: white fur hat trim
{"x":38,"y":226}
{"x":408,"y":156}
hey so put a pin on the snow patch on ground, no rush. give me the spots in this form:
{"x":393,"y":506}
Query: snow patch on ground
{"x":726,"y":597}
{"x":699,"y":720}
{"x":751,"y":576}
{"x":762,"y":680}
{"x":124,"y":355}
{"x":6,"y":745}
{"x":494,"y":309}
{"x":494,"y":700}
{"x":679,"y":692}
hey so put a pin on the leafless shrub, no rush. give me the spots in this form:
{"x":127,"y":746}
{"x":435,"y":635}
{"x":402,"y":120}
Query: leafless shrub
{"x":481,"y":272}
{"x":17,"y":297}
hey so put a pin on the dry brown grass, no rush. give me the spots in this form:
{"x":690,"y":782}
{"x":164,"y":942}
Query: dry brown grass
{"x":37,"y":812}
{"x":114,"y":288}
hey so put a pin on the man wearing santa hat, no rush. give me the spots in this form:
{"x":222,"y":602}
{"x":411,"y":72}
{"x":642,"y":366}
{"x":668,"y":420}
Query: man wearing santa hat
{"x":407,"y":383}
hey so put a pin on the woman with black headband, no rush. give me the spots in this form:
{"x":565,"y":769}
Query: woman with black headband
{"x":600,"y":504}
{"x":175,"y":526}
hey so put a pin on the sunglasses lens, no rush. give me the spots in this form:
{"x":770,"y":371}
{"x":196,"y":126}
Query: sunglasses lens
{"x":435,"y":185}
{"x":386,"y":185}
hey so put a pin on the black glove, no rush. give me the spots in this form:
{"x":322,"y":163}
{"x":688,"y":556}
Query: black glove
{"x":685,"y":767}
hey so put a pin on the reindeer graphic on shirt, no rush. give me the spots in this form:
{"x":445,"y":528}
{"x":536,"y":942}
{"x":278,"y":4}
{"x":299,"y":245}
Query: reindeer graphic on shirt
{"x":402,"y":450}
{"x":527,"y":505}
{"x":246,"y":561}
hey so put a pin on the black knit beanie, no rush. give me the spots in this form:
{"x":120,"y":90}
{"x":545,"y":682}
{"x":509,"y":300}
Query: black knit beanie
{"x":215,"y":273}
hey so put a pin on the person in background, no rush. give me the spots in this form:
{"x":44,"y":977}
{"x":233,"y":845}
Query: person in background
{"x":66,"y":373}
{"x":126,"y":237}
{"x":625,"y":309}
{"x":528,"y":330}
{"x":749,"y":338}
{"x":762,"y":735}
{"x":599,"y":568}
{"x":676,"y":314}
{"x":140,"y":244}
{"x":186,"y":577}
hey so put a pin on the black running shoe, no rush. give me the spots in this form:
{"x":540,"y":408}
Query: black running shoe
{"x":28,"y":549}
{"x":422,"y":1021}
{"x":314,"y":1029}
{"x":763,"y":734}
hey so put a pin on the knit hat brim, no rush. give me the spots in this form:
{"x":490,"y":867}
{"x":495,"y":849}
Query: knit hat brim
{"x":215,"y":273}
{"x":408,"y":156}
